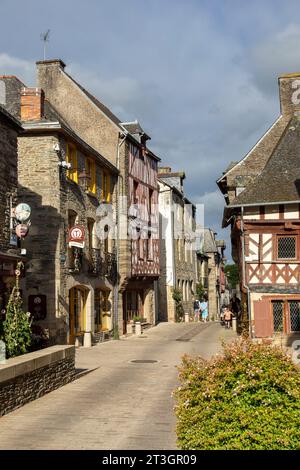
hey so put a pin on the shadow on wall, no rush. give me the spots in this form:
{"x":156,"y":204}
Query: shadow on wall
{"x":40,"y":274}
{"x":163,"y":294}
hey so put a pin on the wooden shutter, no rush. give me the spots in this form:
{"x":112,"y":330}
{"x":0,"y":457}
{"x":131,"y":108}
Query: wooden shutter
{"x":263,"y":324}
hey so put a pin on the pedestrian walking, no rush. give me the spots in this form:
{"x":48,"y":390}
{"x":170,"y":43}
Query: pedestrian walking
{"x":222,"y":321}
{"x":227,"y":318}
{"x":197,"y":310}
{"x":204,"y":310}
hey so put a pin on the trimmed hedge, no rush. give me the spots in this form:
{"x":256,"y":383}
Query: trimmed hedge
{"x":248,"y":398}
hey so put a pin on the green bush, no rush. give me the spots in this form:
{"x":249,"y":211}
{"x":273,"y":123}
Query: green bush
{"x":248,"y":398}
{"x":17,"y":326}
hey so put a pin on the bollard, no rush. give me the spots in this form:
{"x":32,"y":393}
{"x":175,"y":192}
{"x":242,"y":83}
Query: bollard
{"x":138,"y":328}
{"x":186,"y":317}
{"x":87,"y":339}
{"x":234,"y":324}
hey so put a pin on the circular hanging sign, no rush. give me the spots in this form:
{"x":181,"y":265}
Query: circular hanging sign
{"x":77,"y":236}
{"x":22,"y":212}
{"x":22,"y":230}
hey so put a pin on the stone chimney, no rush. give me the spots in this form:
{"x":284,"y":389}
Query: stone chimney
{"x":48,"y":72}
{"x":289,"y":93}
{"x":10,"y":99}
{"x":32,"y":104}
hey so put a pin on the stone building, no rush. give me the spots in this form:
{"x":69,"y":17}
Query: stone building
{"x":262,"y":208}
{"x":178,"y":255}
{"x":9,"y":251}
{"x":202,"y":270}
{"x":69,"y":285}
{"x":124,"y":145}
{"x":214,"y":251}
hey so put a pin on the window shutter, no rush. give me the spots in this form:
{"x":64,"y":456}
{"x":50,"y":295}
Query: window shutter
{"x":263,"y":323}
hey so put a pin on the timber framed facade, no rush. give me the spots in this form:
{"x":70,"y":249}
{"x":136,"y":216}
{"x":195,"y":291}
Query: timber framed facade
{"x":262,"y":193}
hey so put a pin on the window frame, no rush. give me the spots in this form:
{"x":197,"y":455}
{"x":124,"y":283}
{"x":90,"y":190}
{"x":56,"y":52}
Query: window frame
{"x":91,"y":171}
{"x":278,"y":237}
{"x":106,"y":186}
{"x":72,"y":158}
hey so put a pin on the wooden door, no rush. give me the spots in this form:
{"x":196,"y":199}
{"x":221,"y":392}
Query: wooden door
{"x":263,"y":322}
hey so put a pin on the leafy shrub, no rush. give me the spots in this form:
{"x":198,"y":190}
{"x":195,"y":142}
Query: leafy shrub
{"x":17,"y":326}
{"x":248,"y":398}
{"x":179,"y":310}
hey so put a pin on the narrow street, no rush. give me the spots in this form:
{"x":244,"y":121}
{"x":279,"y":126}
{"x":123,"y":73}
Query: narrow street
{"x":118,"y":404}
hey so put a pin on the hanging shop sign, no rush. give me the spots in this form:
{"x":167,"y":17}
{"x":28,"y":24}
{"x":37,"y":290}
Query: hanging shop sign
{"x":22,"y":230}
{"x":22,"y":212}
{"x":77,"y":236}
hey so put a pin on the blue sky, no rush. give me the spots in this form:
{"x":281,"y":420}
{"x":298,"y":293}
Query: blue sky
{"x":200,"y":75}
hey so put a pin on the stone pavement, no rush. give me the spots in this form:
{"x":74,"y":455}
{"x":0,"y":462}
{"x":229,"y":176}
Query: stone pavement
{"x":117,"y":404}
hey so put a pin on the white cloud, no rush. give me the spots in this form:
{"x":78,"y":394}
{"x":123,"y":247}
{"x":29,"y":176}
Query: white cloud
{"x":23,"y":69}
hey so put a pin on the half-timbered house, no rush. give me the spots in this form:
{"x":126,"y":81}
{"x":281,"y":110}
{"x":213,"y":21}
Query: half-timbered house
{"x":262,"y":193}
{"x":123,"y":144}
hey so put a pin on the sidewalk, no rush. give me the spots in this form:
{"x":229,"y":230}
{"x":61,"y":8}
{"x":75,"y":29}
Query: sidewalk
{"x":119,"y":404}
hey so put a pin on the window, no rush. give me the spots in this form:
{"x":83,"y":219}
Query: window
{"x":286,"y":247}
{"x":106,"y":186}
{"x":294,"y":309}
{"x":91,"y":234}
{"x":141,"y":243}
{"x":278,"y":315}
{"x":90,"y":168}
{"x":151,"y":192}
{"x":106,"y":237}
{"x":71,"y":157}
{"x":149,"y":246}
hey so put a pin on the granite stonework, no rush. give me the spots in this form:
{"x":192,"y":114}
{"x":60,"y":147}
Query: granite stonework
{"x":30,"y":376}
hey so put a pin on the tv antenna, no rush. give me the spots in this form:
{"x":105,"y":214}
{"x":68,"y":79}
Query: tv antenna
{"x":45,"y":39}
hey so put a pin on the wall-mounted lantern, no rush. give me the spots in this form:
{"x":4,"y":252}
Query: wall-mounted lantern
{"x":84,"y":179}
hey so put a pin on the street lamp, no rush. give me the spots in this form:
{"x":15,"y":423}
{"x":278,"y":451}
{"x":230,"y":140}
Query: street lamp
{"x":84,"y":179}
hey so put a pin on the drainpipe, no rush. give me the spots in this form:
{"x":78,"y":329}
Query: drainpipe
{"x":123,"y":136}
{"x":244,"y":272}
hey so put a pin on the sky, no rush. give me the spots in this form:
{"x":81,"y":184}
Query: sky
{"x":199,"y":75}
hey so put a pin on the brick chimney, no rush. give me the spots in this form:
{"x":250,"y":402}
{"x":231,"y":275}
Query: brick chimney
{"x":289,"y":93}
{"x":32,"y":104}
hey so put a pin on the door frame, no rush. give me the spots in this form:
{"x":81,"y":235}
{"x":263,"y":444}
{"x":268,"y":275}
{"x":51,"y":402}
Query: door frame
{"x":84,"y":294}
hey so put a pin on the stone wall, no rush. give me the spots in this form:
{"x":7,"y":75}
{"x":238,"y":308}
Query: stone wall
{"x":52,"y":196}
{"x":8,"y":178}
{"x":12,"y":87}
{"x":28,"y":377}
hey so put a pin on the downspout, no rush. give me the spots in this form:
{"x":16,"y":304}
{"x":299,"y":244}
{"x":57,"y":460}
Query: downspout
{"x":116,"y":287}
{"x":244,"y":272}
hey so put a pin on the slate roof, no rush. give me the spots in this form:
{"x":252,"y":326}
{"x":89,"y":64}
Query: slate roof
{"x":209,"y":242}
{"x":14,"y":122}
{"x":280,"y":179}
{"x":134,"y":128}
{"x":98,"y":103}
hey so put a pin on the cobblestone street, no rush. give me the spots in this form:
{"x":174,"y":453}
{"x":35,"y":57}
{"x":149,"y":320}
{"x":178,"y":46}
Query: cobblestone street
{"x":118,"y":404}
